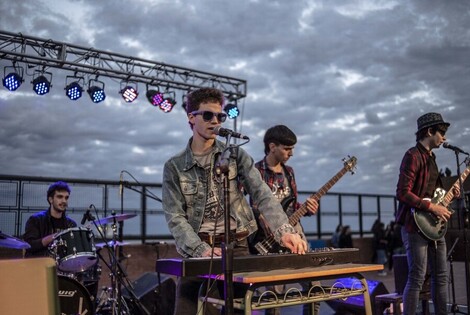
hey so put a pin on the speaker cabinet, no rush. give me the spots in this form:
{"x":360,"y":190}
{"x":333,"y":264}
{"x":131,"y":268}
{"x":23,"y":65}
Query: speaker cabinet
{"x":460,"y":250}
{"x":28,"y":286}
{"x":158,"y":299}
{"x":355,"y":304}
{"x":400,"y":271}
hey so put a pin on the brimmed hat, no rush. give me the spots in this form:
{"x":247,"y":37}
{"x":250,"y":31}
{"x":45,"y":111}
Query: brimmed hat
{"x":431,"y":119}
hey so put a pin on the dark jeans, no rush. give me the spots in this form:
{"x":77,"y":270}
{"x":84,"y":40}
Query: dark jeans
{"x":421,"y":253}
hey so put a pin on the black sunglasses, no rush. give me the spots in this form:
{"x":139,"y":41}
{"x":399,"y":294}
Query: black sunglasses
{"x":441,"y":131}
{"x":208,"y":115}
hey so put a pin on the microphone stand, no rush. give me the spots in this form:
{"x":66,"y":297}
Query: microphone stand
{"x":138,"y":303}
{"x":126,"y":185}
{"x":118,"y":275}
{"x":454,"y":308}
{"x":145,"y":193}
{"x":119,"y":250}
{"x":222,"y":169}
{"x":463,"y":210}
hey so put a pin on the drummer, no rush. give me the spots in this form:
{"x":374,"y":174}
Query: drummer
{"x":42,"y":226}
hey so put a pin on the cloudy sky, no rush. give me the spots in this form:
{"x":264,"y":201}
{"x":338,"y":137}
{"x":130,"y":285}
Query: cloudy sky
{"x":349,"y":77}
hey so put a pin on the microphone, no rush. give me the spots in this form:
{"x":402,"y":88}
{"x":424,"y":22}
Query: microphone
{"x":454,"y":148}
{"x":224,"y":132}
{"x":85,"y":216}
{"x":90,"y":216}
{"x":120,"y":184}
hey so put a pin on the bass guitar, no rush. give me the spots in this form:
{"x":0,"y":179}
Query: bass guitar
{"x":428,"y":223}
{"x":268,"y":245}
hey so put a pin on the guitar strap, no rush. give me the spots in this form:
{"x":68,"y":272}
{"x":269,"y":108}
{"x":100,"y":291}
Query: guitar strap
{"x":290,"y":178}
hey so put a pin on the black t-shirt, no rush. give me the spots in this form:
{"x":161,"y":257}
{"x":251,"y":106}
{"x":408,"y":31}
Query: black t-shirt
{"x":433,"y":176}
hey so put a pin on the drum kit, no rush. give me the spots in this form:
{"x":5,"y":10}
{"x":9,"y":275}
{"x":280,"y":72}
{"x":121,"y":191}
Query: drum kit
{"x":78,"y":270}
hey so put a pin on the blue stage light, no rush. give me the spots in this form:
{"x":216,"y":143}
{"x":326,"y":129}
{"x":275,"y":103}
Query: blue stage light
{"x":96,"y":91}
{"x":97,"y":94}
{"x":41,"y":85}
{"x":232,"y":111}
{"x":12,"y":81}
{"x":73,"y":91}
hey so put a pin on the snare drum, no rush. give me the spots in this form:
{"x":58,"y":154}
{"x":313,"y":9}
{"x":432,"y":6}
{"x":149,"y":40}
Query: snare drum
{"x":74,"y":250}
{"x":73,"y":297}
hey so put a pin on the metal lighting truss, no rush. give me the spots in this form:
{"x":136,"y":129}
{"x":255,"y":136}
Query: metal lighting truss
{"x":49,"y":53}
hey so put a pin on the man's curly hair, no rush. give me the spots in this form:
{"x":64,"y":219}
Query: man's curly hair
{"x":204,"y":95}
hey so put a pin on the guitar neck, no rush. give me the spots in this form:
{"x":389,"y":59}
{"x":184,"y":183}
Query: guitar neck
{"x":450,"y":194}
{"x":299,"y":213}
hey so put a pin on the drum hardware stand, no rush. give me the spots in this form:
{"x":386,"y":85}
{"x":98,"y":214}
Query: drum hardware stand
{"x":116,"y":267}
{"x":118,"y":277}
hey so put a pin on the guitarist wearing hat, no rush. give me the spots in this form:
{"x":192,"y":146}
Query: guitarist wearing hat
{"x":418,"y":179}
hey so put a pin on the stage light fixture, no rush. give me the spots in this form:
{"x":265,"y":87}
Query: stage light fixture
{"x":73,"y":90}
{"x":232,"y":110}
{"x":41,"y":85}
{"x":154,"y":97}
{"x":168,"y":102}
{"x":12,"y":81}
{"x":129,"y":92}
{"x":96,"y":91}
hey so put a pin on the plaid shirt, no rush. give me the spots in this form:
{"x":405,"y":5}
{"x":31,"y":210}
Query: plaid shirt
{"x":412,"y":184}
{"x":269,"y":177}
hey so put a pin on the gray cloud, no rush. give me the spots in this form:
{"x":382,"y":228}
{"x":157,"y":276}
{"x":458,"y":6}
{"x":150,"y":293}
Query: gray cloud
{"x":349,"y":77}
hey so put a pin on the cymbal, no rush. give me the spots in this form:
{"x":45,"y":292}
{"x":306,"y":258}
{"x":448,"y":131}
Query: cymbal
{"x":111,"y":244}
{"x":117,"y":218}
{"x":12,"y":242}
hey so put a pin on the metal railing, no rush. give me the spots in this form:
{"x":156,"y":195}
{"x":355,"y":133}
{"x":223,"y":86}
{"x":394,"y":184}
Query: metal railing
{"x":21,"y":196}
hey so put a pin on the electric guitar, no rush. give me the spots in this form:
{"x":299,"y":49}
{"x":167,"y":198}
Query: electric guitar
{"x":428,"y":223}
{"x":269,"y":245}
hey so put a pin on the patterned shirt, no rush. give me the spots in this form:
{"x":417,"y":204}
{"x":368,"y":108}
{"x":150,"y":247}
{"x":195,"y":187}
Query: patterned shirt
{"x":277,"y":183}
{"x":283,"y":187}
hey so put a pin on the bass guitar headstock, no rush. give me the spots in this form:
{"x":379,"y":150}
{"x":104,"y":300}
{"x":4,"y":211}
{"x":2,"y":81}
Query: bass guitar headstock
{"x":350,"y":164}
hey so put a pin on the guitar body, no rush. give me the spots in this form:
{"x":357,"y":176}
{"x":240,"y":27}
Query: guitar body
{"x":264,"y":232}
{"x":428,"y":223}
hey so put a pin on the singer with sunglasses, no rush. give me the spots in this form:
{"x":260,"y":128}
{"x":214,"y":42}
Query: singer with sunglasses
{"x":192,"y":202}
{"x":417,"y":181}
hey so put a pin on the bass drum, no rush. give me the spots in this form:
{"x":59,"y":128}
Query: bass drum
{"x":74,"y":298}
{"x":90,"y":279}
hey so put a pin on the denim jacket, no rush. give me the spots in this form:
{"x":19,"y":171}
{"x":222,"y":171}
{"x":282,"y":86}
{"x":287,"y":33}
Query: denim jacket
{"x":184,"y":197}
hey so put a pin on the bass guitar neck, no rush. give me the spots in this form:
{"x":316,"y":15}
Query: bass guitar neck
{"x":268,"y":245}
